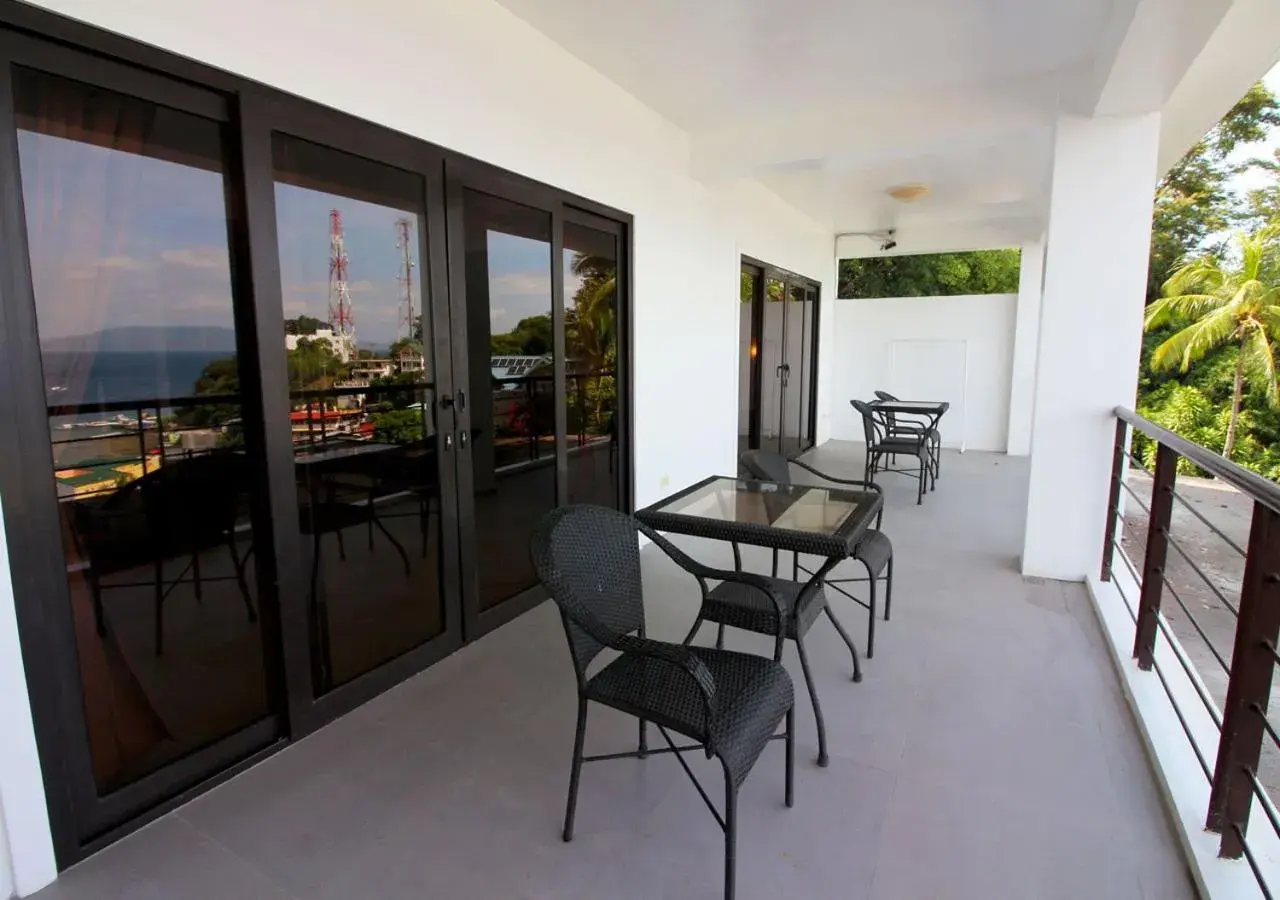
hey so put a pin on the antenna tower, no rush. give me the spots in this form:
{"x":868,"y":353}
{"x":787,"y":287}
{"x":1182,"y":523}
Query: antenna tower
{"x":404,"y":243}
{"x":341,"y":317}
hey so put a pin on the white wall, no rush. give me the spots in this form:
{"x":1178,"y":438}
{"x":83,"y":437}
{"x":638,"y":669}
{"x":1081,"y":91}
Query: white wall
{"x":868,"y":334}
{"x":26,"y":849}
{"x":468,"y":75}
{"x":1100,"y":211}
{"x":1026,"y":342}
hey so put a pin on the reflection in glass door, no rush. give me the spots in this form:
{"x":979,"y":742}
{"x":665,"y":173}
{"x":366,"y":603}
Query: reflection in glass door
{"x":358,"y":336}
{"x":152,"y":445}
{"x":591,"y":383}
{"x":777,"y":360}
{"x":507,"y":427}
{"x":773,"y":362}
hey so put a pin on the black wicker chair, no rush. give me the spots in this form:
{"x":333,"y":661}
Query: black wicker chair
{"x":182,"y":509}
{"x":881,"y":444}
{"x":731,"y":703}
{"x":902,"y":425}
{"x":874,"y":551}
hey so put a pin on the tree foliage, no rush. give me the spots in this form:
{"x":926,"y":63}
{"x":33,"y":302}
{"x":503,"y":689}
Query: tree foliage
{"x":1212,"y":302}
{"x":532,"y":336}
{"x":1187,"y":383}
{"x":931,"y":274}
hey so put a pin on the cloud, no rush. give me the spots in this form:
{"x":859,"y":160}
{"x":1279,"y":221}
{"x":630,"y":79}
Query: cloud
{"x":207,"y":257}
{"x":522,"y":284}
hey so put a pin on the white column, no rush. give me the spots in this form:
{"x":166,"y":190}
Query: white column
{"x":1095,"y":275}
{"x":1026,"y":338}
{"x":26,"y":844}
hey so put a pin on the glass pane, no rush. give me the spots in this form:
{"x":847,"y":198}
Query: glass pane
{"x":747,"y":352}
{"x":795,"y":507}
{"x":361,"y":381}
{"x":128,"y":236}
{"x":511,"y":353}
{"x":793,"y":370}
{"x":771,"y":352}
{"x":808,"y":375}
{"x":591,"y":301}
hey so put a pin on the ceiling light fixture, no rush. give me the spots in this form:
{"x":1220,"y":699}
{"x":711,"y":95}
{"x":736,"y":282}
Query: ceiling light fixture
{"x":908,"y":193}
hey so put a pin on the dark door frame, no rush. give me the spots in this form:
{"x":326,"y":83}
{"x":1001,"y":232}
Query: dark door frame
{"x":764,"y":271}
{"x":462,"y":175}
{"x":49,"y":41}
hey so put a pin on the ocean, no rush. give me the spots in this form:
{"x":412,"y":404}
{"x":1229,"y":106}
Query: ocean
{"x":112,"y":377}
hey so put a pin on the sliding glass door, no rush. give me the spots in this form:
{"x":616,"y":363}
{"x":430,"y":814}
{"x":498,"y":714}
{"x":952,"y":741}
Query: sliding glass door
{"x":778,"y":366}
{"x":285,"y":395}
{"x":129,"y":346}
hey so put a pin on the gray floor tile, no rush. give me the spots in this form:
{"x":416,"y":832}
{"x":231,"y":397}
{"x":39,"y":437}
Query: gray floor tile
{"x":987,"y":753}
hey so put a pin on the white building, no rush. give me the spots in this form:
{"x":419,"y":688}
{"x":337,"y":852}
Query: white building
{"x":680,"y":138}
{"x":342,"y":345}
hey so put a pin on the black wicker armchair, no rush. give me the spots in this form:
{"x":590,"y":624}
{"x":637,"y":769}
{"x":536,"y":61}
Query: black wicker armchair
{"x":729,"y":703}
{"x":874,"y":551}
{"x":881,"y":444}
{"x":903,"y":425}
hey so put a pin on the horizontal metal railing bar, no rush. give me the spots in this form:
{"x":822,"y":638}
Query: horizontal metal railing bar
{"x":1137,"y":462}
{"x":1124,"y":558}
{"x":1260,"y":489}
{"x":1190,"y":669}
{"x":1214,"y":528}
{"x":1142,"y":506}
{"x":76,"y":409}
{"x":1266,"y":724}
{"x":1253,"y":863}
{"x":1182,"y":720}
{"x":1195,"y":623}
{"x":1271,"y":648}
{"x":1212,"y":587}
{"x":1264,"y":799}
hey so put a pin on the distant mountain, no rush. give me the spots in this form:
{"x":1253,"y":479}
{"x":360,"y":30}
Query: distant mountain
{"x":147,"y":339}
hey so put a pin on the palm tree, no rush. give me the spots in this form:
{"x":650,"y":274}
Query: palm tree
{"x":591,"y":323}
{"x":1225,"y":304}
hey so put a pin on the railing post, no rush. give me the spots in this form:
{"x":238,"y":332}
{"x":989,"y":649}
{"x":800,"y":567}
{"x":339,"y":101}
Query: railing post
{"x":1113,"y":500}
{"x":1157,"y":548}
{"x":1249,"y":683}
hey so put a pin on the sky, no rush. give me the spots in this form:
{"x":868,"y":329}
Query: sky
{"x":119,"y":239}
{"x":1248,"y":181}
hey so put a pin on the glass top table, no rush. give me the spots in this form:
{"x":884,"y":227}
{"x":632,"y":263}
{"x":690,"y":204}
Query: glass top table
{"x":805,"y":518}
{"x":924,"y":407}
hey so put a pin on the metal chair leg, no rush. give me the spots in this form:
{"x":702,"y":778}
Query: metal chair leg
{"x":871,"y":618}
{"x":720,"y":637}
{"x":888,"y":590}
{"x":730,"y":834}
{"x":817,"y":707}
{"x":848,"y":642}
{"x":791,"y":757}
{"x":643,"y":746}
{"x":697,"y":623}
{"x":571,"y":806}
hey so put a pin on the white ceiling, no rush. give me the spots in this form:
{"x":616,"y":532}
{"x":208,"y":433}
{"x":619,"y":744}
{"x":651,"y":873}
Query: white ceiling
{"x":830,"y":102}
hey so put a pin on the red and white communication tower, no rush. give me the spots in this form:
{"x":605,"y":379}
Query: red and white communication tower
{"x":404,"y":243}
{"x":341,"y":317}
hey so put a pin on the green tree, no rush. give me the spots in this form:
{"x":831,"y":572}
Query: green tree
{"x":531,"y":337}
{"x":931,"y":274}
{"x":1214,"y":302}
{"x":591,"y":335}
{"x":302,"y":325}
{"x":1193,"y":202}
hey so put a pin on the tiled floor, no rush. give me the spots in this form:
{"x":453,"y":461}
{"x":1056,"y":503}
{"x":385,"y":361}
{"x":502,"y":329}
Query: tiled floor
{"x":988,"y":753}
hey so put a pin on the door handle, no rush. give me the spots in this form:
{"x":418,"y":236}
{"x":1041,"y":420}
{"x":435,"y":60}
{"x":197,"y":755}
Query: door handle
{"x":462,"y":404}
{"x":448,"y":442}
{"x":463,"y":439}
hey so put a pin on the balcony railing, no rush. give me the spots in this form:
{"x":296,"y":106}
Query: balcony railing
{"x":1246,"y":736}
